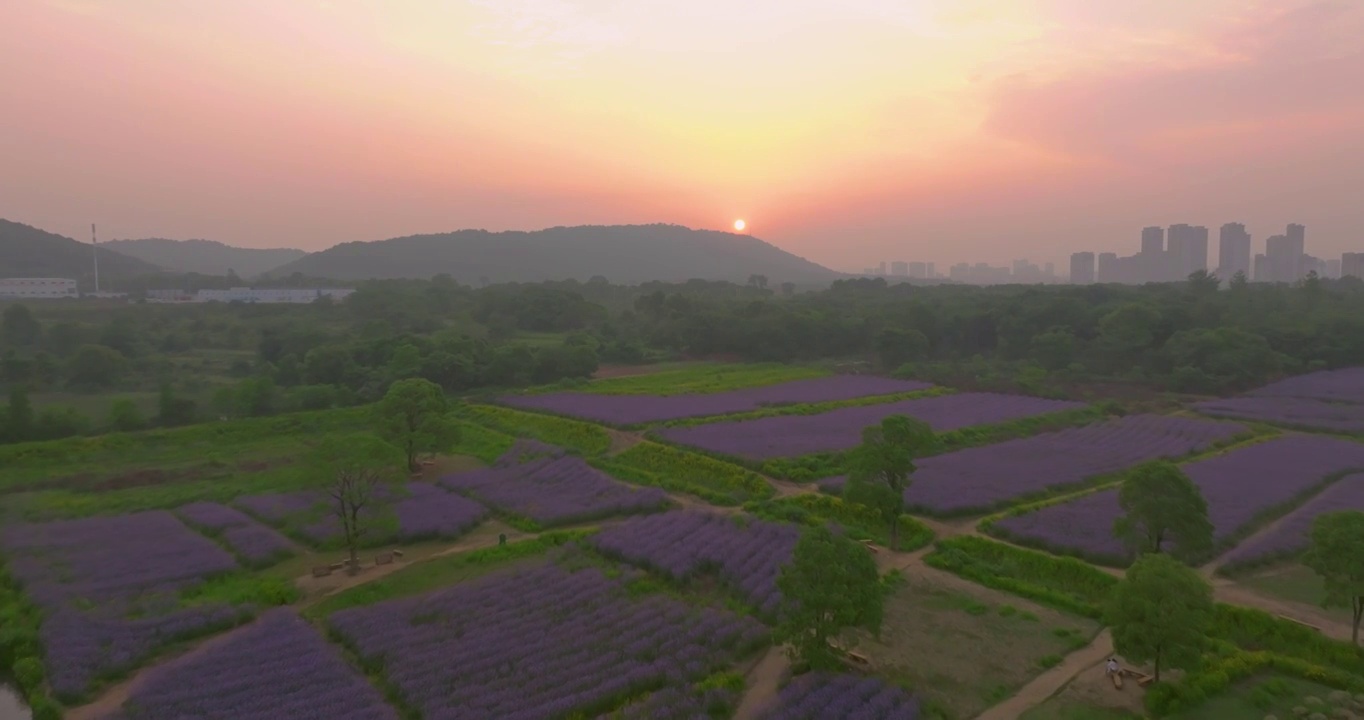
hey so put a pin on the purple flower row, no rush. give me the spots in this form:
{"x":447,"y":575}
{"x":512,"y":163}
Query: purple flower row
{"x":817,"y":696}
{"x":1293,"y":533}
{"x":637,"y":409}
{"x":1239,"y":486}
{"x":1284,"y":410}
{"x":841,"y":429}
{"x":1345,"y":385}
{"x":277,"y":667}
{"x":984,"y":477}
{"x":422,"y":511}
{"x":673,"y":703}
{"x":539,"y":643}
{"x":110,"y":588}
{"x":255,"y":544}
{"x":747,"y":553}
{"x":554,"y":490}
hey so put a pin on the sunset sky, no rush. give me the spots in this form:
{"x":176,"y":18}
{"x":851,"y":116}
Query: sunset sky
{"x":845,"y":131}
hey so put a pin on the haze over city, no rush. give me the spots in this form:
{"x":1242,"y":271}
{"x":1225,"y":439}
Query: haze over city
{"x":846,"y":133}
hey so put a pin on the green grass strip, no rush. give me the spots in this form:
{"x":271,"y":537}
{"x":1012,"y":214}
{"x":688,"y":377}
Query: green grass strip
{"x":574,"y":435}
{"x":858,"y":521}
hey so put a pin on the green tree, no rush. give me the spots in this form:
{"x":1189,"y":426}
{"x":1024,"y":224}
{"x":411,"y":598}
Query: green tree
{"x":1159,"y":613}
{"x":1337,"y":555}
{"x":357,"y":473}
{"x":880,"y":468}
{"x":125,"y":417}
{"x":415,"y":416}
{"x":18,"y":327}
{"x":18,"y":416}
{"x":173,"y":410}
{"x":830,"y":584}
{"x":897,"y":346}
{"x":1162,"y":505}
{"x":1054,"y":349}
{"x":95,"y":366}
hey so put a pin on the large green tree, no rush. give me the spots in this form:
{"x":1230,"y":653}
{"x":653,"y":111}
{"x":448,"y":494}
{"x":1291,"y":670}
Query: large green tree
{"x":830,"y":584}
{"x":358,"y":473}
{"x":1337,"y":555}
{"x":19,"y":327}
{"x":415,"y":416}
{"x":1159,"y":613}
{"x":880,"y":468}
{"x":1163,"y":510}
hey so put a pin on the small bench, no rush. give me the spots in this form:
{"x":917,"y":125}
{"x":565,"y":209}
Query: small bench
{"x":397,"y":553}
{"x":322,"y":571}
{"x":383,"y":558}
{"x":338,"y":566}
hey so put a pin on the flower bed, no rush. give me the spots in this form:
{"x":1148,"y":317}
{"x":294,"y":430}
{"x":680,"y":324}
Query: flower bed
{"x":841,"y":429}
{"x":817,"y":696}
{"x":1291,"y":535}
{"x":407,"y":513}
{"x":539,"y":643}
{"x":253,"y":543}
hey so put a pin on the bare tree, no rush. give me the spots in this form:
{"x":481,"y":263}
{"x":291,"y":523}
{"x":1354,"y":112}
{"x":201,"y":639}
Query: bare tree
{"x":357,"y":473}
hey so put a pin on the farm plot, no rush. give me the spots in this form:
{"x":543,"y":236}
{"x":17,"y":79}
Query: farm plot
{"x":696,"y":702}
{"x":841,"y":429}
{"x":816,"y":696}
{"x":254,"y":544}
{"x":639,"y":409}
{"x":414,"y":511}
{"x":1291,"y":535}
{"x":1292,"y":411}
{"x":983,"y":478}
{"x":539,"y":482}
{"x":1241,"y":487}
{"x":1345,"y":385}
{"x":540,"y":643}
{"x":278,"y":667}
{"x":110,"y":588}
{"x":746,"y":553}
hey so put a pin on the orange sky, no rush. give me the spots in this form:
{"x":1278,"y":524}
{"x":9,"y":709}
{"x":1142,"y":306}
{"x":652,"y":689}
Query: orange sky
{"x":847,"y":131}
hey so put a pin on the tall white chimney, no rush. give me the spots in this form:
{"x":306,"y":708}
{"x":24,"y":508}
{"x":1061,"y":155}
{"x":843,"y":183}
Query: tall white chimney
{"x":94,"y":247}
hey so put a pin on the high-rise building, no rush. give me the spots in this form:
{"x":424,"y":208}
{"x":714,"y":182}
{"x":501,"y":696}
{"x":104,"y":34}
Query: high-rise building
{"x":1352,"y":265}
{"x":1261,"y":269}
{"x":1233,"y":251}
{"x":1082,"y":268}
{"x":918,"y":270}
{"x":929,"y":272}
{"x":1107,"y":268}
{"x":1333,"y":268}
{"x":1187,"y":251}
{"x":1152,"y":240}
{"x":1285,"y":255}
{"x":881,"y":269}
{"x":899,"y":268}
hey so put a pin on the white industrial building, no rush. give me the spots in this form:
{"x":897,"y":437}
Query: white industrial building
{"x":38,"y":288}
{"x":271,"y":295}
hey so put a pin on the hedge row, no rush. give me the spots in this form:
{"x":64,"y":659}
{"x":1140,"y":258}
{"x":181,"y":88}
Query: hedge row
{"x":1062,"y":583}
{"x":859,"y":521}
{"x":722,"y":483}
{"x":575,"y":435}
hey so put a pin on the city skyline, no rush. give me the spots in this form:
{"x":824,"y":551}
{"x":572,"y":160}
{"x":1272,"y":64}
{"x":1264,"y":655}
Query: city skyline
{"x":838,"y":131}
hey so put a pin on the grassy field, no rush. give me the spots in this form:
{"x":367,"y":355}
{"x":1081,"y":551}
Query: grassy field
{"x":703,"y":378}
{"x":967,"y":652}
{"x":1292,"y":582}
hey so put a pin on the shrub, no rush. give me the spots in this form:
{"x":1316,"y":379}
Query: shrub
{"x":1063,"y":583}
{"x":576,"y":435}
{"x":650,"y":463}
{"x":858,"y":521}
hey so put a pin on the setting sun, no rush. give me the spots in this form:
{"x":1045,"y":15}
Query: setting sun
{"x":740,"y":225}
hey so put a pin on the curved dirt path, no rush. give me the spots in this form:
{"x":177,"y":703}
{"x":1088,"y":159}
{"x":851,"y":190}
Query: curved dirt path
{"x":761,"y":683}
{"x":114,"y":696}
{"x":1053,"y":680}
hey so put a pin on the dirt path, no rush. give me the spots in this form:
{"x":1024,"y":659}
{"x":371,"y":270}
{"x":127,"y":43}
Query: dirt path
{"x":1050,"y":682}
{"x":622,"y":440}
{"x":113,"y":697}
{"x":1210,"y":570}
{"x":760,"y":685}
{"x":1226,"y":591}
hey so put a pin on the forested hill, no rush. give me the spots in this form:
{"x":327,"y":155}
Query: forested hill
{"x":206,"y":257}
{"x":29,"y":252}
{"x":620,"y":253}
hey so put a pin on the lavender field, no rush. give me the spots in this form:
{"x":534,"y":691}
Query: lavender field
{"x":1293,"y":411}
{"x":817,"y":696}
{"x":540,"y":643}
{"x":979,"y":479}
{"x":683,"y":543}
{"x":110,"y":586}
{"x":1240,"y":486}
{"x":638,"y":409}
{"x":1344,"y":385}
{"x":540,"y":482}
{"x":1292,"y":534}
{"x":255,"y":544}
{"x":419,"y":511}
{"x":277,"y":667}
{"x":841,"y":429}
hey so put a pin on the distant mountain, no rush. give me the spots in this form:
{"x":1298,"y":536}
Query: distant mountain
{"x":206,"y":257}
{"x":620,"y":253}
{"x":26,"y":251}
